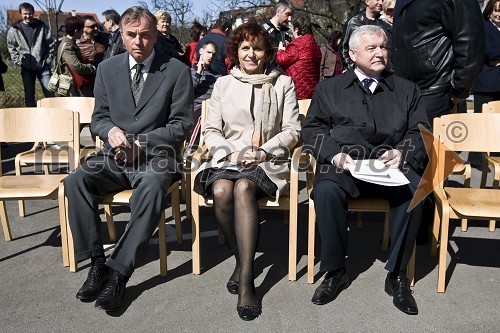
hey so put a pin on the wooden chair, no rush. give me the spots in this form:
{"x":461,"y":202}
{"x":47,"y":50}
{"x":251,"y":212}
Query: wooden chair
{"x":362,"y":204}
{"x":38,"y":124}
{"x":461,"y":132}
{"x":40,"y":153}
{"x":285,"y":203}
{"x":493,"y":161}
{"x":123,"y":198}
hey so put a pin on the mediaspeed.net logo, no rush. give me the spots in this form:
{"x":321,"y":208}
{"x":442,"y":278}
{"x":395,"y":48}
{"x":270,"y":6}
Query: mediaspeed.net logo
{"x":455,"y":132}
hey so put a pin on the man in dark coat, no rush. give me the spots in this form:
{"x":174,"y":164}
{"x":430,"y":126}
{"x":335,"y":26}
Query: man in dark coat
{"x":365,"y":113}
{"x":111,"y":21}
{"x":143,"y":110}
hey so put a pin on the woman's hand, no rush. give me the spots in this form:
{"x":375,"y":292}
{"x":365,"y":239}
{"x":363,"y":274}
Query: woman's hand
{"x":253,"y":157}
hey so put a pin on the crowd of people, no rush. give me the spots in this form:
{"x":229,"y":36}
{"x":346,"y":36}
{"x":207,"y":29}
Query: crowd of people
{"x":395,"y":66}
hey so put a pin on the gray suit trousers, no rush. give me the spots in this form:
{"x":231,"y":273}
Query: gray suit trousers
{"x":100,"y":175}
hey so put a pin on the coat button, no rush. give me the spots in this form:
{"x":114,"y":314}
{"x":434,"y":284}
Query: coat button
{"x":136,"y":118}
{"x":363,"y":124}
{"x":364,"y":101}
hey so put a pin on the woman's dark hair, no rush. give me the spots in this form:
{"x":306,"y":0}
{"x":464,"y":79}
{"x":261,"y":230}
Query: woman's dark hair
{"x":488,"y":9}
{"x":196,"y":30}
{"x":333,"y":39}
{"x":72,"y":24}
{"x":248,"y":31}
{"x":302,"y":22}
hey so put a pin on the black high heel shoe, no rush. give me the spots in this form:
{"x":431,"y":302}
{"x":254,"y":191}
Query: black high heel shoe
{"x":248,"y":312}
{"x":233,"y":287}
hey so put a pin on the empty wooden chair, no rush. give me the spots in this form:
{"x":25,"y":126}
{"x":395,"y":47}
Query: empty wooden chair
{"x":38,"y":124}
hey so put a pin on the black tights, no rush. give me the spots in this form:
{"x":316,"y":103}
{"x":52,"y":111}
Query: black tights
{"x":237,"y":214}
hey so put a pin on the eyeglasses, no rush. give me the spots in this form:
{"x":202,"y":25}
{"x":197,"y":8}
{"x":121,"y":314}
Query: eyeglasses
{"x":93,"y":26}
{"x":389,"y":11}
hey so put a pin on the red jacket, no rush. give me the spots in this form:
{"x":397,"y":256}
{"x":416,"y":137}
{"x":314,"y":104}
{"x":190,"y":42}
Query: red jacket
{"x":301,"y":61}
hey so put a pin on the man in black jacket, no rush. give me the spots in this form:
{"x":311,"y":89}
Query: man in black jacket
{"x":439,"y":45}
{"x":277,"y":26}
{"x":369,"y":15}
{"x":111,"y":21}
{"x":365,"y":113}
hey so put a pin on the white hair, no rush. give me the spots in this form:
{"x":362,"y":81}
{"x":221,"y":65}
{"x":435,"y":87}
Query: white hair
{"x":367,"y":29}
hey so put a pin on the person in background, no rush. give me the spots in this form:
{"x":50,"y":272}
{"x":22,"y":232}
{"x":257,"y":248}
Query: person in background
{"x":72,"y":62}
{"x":487,"y":85}
{"x":388,"y":11}
{"x":301,"y":58}
{"x":166,"y":42}
{"x":31,"y":47}
{"x":3,"y":70}
{"x":277,"y":26}
{"x":370,"y":15}
{"x":93,"y":43}
{"x":203,"y":83}
{"x":111,"y":21}
{"x":218,"y":34}
{"x":253,"y":96}
{"x":197,"y":32}
{"x":365,"y":113}
{"x":331,"y":62}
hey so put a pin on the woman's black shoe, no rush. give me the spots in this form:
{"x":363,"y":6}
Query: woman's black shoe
{"x":233,"y":287}
{"x":248,"y":312}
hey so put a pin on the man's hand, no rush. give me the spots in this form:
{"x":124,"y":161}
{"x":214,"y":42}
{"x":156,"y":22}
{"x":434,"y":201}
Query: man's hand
{"x":391,"y":158}
{"x":201,"y":65}
{"x":281,"y":46}
{"x":117,"y":138}
{"x":128,"y":155}
{"x":341,"y":160}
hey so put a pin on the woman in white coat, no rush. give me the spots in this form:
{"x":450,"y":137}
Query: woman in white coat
{"x":252,"y":121}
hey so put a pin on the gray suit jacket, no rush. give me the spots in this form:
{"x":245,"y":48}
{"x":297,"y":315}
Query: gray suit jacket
{"x":164,"y":114}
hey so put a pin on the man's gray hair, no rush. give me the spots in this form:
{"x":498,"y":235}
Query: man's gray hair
{"x":367,"y":29}
{"x":282,"y":6}
{"x":135,"y":14}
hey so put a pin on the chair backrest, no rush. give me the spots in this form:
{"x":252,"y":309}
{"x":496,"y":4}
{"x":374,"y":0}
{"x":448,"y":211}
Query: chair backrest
{"x":204,"y":109}
{"x":471,"y":132}
{"x":491,"y":107}
{"x":83,"y":105}
{"x":303,"y":108}
{"x":42,"y":124}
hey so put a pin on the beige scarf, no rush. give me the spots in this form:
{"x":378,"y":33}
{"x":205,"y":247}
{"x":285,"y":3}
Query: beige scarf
{"x":265,"y":118}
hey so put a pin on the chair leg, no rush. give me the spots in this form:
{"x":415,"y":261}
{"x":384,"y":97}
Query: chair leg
{"x":484,"y":173}
{"x":195,"y":225}
{"x":385,"y":237}
{"x":73,"y":265}
{"x":109,"y":221}
{"x":443,"y":249}
{"x":435,"y":230}
{"x":410,"y":270}
{"x":310,"y":241}
{"x":20,"y":203}
{"x":359,"y":220}
{"x":5,"y":222}
{"x":162,"y":243}
{"x":177,"y":214}
{"x":292,"y":240}
{"x":63,"y":224}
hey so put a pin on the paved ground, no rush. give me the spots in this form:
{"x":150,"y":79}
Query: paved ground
{"x":38,"y":293}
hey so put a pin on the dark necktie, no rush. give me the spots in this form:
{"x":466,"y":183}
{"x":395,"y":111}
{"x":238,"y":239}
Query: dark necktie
{"x":137,"y":82}
{"x":367,"y":83}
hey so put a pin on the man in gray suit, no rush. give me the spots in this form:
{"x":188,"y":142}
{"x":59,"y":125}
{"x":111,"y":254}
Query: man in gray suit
{"x":143,"y":111}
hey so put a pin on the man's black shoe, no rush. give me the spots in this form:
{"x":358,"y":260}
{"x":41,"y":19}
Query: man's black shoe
{"x":331,"y":286}
{"x":98,"y":275}
{"x":399,"y":289}
{"x":111,"y":296}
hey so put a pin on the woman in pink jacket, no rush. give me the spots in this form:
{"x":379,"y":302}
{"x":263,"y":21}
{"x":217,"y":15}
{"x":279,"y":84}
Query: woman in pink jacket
{"x":301,"y":58}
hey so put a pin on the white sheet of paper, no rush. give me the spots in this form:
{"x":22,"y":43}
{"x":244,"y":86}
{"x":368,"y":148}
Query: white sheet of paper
{"x":374,"y":171}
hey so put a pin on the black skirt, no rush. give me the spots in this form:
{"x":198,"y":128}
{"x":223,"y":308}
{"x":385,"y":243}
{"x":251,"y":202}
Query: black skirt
{"x":254,"y":173}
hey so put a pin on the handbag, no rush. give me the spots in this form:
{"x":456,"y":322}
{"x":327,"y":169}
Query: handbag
{"x":81,"y":81}
{"x":60,"y":83}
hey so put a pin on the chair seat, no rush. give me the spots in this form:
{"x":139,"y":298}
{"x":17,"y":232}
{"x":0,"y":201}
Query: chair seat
{"x":29,"y":186}
{"x":123,"y":197}
{"x":50,"y":156}
{"x":367,"y":204}
{"x":474,"y":202}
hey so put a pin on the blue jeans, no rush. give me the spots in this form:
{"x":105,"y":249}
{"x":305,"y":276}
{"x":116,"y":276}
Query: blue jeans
{"x":29,"y":81}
